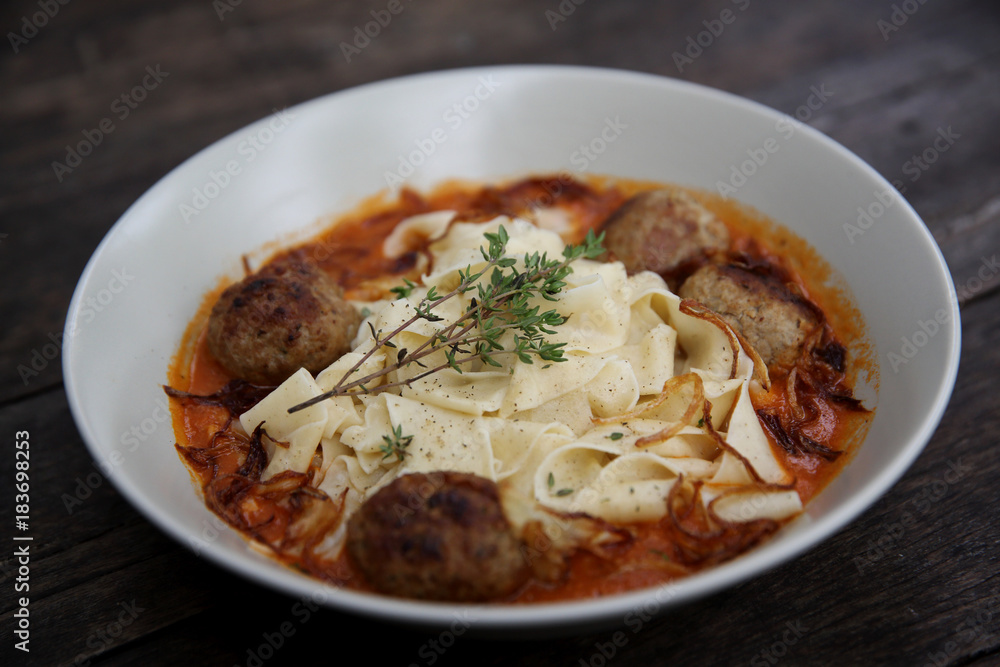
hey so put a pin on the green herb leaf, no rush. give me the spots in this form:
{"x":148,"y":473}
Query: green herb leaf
{"x":396,"y":444}
{"x":504,"y":290}
{"x":403,"y":290}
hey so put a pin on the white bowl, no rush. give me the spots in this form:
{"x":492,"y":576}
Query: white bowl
{"x":277,"y":177}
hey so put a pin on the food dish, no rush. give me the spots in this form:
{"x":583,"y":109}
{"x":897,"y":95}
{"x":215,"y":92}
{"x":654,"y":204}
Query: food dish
{"x":672,"y":132}
{"x":524,"y":339}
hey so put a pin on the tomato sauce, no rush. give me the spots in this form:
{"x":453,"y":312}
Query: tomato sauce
{"x":676,"y":546}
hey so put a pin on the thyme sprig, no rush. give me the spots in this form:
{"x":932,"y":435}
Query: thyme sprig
{"x":396,"y":444}
{"x":503,"y":299}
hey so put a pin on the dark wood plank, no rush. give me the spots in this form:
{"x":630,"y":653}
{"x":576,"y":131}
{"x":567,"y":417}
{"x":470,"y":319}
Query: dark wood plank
{"x":72,"y":503}
{"x":113,"y":610}
{"x":971,"y":245}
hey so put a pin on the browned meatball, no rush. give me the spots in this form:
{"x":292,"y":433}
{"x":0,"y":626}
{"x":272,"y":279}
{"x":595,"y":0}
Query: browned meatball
{"x":437,"y":536}
{"x":287,"y":316}
{"x":774,"y":320}
{"x":665,"y":231}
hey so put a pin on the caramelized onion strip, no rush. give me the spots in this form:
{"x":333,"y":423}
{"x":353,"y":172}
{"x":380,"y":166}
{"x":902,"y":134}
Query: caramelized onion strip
{"x":793,"y":398}
{"x":736,"y":340}
{"x":697,"y":400}
{"x":669,"y":388}
{"x":721,"y":442}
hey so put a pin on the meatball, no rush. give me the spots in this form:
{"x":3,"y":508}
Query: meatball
{"x":287,"y":316}
{"x":664,"y":231}
{"x":437,"y":536}
{"x":774,"y":320}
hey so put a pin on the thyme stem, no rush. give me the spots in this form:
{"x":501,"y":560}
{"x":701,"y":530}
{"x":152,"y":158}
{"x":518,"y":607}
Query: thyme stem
{"x":501,"y":305}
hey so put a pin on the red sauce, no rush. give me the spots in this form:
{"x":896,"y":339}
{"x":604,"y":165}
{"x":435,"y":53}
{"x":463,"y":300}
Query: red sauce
{"x":351,"y":252}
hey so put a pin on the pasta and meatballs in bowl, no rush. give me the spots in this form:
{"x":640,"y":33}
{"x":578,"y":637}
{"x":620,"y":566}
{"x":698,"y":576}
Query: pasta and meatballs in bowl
{"x":584,"y":565}
{"x":547,"y":389}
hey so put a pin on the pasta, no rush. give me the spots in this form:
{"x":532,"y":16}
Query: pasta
{"x":531,"y":427}
{"x":653,"y":431}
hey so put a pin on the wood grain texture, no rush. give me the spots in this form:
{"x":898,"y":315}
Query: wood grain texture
{"x":912,"y":582}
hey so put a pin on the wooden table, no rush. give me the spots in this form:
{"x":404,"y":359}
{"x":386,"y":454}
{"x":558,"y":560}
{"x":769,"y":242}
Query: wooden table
{"x":913,"y":582}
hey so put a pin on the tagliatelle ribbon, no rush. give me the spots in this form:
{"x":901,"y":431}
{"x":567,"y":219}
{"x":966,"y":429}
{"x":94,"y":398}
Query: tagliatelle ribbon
{"x":736,"y":339}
